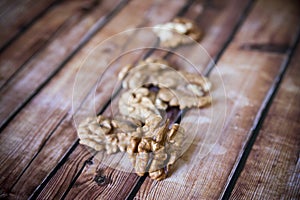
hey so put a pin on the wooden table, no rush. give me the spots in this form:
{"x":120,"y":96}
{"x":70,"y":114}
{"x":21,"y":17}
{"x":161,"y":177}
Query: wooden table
{"x":255,"y":45}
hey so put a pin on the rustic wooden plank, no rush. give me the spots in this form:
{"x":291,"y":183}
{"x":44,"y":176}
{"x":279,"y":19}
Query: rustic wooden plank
{"x":85,"y":184}
{"x":15,"y":16}
{"x":20,"y":131}
{"x":21,"y":88}
{"x":58,"y":99}
{"x":37,"y":36}
{"x":272,"y":168}
{"x":247,"y":76}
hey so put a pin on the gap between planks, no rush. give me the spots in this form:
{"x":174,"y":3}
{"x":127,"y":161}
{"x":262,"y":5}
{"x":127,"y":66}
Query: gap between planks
{"x":61,"y":20}
{"x":273,"y":166}
{"x":87,"y":36}
{"x":259,"y":119}
{"x":34,"y":54}
{"x":241,"y":20}
{"x":27,"y":25}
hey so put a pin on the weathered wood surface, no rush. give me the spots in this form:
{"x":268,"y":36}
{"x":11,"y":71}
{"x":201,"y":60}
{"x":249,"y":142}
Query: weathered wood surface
{"x":37,"y":71}
{"x":17,"y":138}
{"x":273,"y":166}
{"x":38,"y":147}
{"x":247,"y":76}
{"x":44,"y":30}
{"x":17,"y":15}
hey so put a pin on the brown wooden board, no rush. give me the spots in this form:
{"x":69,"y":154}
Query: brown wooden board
{"x":35,"y":143}
{"x":32,"y":41}
{"x":17,"y":15}
{"x":29,"y":131}
{"x":37,"y":72}
{"x":56,"y":99}
{"x":272,"y":168}
{"x":248,"y":68}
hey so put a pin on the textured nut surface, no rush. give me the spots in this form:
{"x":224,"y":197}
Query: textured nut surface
{"x":175,"y":33}
{"x":141,"y":129}
{"x":101,"y":133}
{"x":158,"y":153}
{"x":176,"y":88}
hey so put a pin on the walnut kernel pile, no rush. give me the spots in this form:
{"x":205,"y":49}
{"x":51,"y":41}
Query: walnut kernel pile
{"x":151,"y":142}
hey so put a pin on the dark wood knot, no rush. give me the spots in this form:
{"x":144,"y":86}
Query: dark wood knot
{"x":101,"y":179}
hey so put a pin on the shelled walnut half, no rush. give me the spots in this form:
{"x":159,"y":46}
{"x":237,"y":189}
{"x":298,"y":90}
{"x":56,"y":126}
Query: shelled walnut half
{"x":179,"y":31}
{"x":101,"y":133}
{"x":176,"y":88}
{"x":156,"y":154}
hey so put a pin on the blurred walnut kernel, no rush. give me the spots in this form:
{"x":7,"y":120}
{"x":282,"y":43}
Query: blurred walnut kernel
{"x":179,"y":31}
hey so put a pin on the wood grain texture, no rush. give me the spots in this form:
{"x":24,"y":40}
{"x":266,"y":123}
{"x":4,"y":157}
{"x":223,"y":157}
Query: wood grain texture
{"x":273,"y":166}
{"x":31,"y":42}
{"x":38,"y":138}
{"x":247,"y":76}
{"x":25,"y":136}
{"x":38,"y":70}
{"x":57,"y":100}
{"x":15,"y":15}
